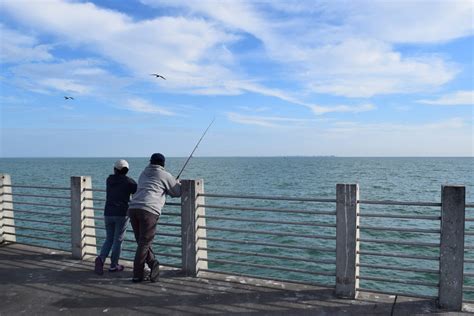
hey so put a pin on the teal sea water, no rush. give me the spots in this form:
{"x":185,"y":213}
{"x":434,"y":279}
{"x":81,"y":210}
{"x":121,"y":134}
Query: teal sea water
{"x":402,"y":179}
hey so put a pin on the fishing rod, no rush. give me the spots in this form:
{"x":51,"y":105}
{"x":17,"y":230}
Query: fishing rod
{"x":195,"y":147}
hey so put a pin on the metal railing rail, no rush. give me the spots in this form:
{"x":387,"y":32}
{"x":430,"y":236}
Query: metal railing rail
{"x":266,"y":209}
{"x":37,"y":187}
{"x":264,"y":197}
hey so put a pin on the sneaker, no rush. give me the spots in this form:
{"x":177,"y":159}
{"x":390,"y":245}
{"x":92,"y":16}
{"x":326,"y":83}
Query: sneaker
{"x":117,"y":268}
{"x":99,"y":266}
{"x":155,"y":271}
{"x":138,"y":280}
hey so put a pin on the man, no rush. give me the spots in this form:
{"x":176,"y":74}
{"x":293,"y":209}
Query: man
{"x":119,"y":189}
{"x":144,"y":210}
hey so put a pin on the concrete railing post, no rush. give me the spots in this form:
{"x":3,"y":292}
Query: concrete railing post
{"x":451,"y":261}
{"x":7,"y":221}
{"x":193,"y":227}
{"x":83,"y":241}
{"x":347,"y":246}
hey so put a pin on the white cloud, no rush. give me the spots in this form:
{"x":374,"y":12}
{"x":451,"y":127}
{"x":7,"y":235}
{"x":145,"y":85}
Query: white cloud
{"x":17,"y":47}
{"x":141,"y":105}
{"x":344,"y":48}
{"x":79,"y":76}
{"x":342,"y":108}
{"x":455,"y":98}
{"x":65,"y":85}
{"x":268,"y":121}
{"x":335,"y":48}
{"x":190,"y":52}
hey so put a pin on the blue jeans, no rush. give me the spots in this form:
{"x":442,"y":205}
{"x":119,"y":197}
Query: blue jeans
{"x":115,"y":227}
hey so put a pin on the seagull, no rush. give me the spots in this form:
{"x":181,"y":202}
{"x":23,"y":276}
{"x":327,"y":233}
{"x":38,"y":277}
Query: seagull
{"x":158,"y":76}
{"x":68,"y":98}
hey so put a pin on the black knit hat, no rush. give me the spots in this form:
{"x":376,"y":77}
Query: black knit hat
{"x":157,"y":159}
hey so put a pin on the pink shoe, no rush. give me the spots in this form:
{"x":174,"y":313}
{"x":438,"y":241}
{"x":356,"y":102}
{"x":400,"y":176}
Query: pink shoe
{"x":117,"y":268}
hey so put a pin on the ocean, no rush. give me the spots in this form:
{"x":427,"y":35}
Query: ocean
{"x":401,"y":179}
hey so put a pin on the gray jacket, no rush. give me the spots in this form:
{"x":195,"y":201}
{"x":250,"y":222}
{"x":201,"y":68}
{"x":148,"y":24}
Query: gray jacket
{"x":153,"y":186}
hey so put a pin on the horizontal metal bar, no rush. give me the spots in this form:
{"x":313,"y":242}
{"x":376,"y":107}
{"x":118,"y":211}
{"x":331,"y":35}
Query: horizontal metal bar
{"x":468,"y":260}
{"x":38,"y":229}
{"x":36,"y":221}
{"x":388,"y":202}
{"x":424,"y":217}
{"x":97,"y":218}
{"x":169,"y":224}
{"x":468,"y":301}
{"x":39,"y":213}
{"x":259,"y":277}
{"x":469,"y":274}
{"x":247,"y":264}
{"x":397,"y":255}
{"x":171,"y":214}
{"x":265,"y":209}
{"x":397,"y":242}
{"x":156,"y":253}
{"x":468,"y":288}
{"x":378,"y":266}
{"x":258,"y":254}
{"x":391,"y":280}
{"x":468,"y":248}
{"x":94,"y":208}
{"x":36,"y":187}
{"x":95,"y":190}
{"x":158,"y":243}
{"x":172,"y":204}
{"x":396,"y":229}
{"x":95,"y":199}
{"x":469,"y":233}
{"x":469,"y":204}
{"x":469,"y":219}
{"x":36,"y":237}
{"x":246,"y":242}
{"x":407,"y":294}
{"x":41,"y":204}
{"x":41,"y":196}
{"x":168,"y":234}
{"x":253,"y":220}
{"x":263,"y":232}
{"x":263,"y":197}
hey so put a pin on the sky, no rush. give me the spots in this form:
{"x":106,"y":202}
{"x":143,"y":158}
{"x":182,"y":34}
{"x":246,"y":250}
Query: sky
{"x":281,"y":78}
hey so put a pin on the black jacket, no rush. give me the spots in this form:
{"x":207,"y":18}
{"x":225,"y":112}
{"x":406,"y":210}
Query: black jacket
{"x":119,"y":189}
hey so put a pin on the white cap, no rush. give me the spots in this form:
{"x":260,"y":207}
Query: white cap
{"x":120,"y":164}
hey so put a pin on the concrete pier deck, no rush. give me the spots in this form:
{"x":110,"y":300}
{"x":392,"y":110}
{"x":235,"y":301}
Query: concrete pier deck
{"x":38,"y":281}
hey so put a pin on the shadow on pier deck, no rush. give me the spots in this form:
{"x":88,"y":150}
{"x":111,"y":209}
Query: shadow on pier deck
{"x":41,"y":281}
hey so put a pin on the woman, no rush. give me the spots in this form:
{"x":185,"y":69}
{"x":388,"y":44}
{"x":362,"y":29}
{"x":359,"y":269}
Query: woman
{"x":119,"y":189}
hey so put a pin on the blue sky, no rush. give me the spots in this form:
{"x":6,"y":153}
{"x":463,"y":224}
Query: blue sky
{"x":282,"y":78}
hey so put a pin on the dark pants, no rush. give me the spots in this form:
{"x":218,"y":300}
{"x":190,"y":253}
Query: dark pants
{"x":144,"y":228}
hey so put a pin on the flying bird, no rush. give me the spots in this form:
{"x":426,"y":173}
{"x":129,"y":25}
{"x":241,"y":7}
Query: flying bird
{"x":68,"y":98}
{"x":158,"y":76}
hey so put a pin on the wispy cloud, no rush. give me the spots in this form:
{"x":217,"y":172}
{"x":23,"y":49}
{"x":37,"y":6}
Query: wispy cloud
{"x":268,"y":121}
{"x":18,"y":47}
{"x":342,"y":108}
{"x":144,"y":106}
{"x":349,"y":50}
{"x":456,"y":98}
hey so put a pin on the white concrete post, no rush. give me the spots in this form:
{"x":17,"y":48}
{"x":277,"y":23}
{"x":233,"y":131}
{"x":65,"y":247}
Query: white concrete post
{"x":83,"y":241}
{"x":193,"y":245}
{"x":347,"y":246}
{"x":451,"y":261}
{"x":7,"y":221}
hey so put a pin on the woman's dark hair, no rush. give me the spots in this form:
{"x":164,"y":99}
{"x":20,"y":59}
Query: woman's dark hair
{"x":123,"y":171}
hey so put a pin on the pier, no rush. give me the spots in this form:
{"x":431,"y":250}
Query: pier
{"x":46,"y":256}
